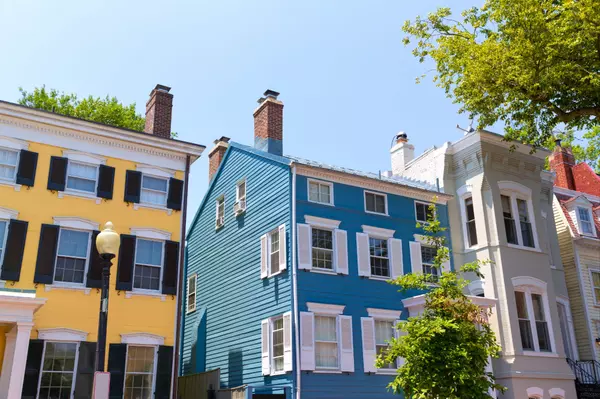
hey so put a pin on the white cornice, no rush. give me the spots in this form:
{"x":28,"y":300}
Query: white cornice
{"x":384,"y":314}
{"x":141,"y":338}
{"x":326,"y":309}
{"x":151,"y":232}
{"x":529,"y":281}
{"x":321,"y":222}
{"x":155,"y":170}
{"x":84,"y":157}
{"x":378,"y":231}
{"x":13,"y":143}
{"x":371,"y":184}
{"x":76,"y":223}
{"x":62,"y":334}
{"x":6,"y":213}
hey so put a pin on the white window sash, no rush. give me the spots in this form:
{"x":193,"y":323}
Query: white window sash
{"x":161,"y":266}
{"x":95,"y":179}
{"x":166,"y":192}
{"x":137,"y":373}
{"x":75,"y":365}
{"x":385,"y":204}
{"x":191,"y":292}
{"x":87,"y":257}
{"x":15,"y":166}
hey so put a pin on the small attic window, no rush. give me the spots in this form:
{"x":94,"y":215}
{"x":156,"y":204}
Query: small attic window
{"x":586,"y":225}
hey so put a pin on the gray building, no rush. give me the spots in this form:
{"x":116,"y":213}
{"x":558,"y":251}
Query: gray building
{"x":502,"y":211}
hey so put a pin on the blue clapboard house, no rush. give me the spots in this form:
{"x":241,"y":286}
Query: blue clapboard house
{"x":287,"y":271}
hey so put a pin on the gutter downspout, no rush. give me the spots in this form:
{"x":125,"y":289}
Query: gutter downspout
{"x":295,"y":284}
{"x":175,"y":368}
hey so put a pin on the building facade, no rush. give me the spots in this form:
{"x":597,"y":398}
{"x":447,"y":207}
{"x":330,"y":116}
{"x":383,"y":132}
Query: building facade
{"x":61,"y":180}
{"x":577,"y":213}
{"x":502,"y":211}
{"x":288,"y":263}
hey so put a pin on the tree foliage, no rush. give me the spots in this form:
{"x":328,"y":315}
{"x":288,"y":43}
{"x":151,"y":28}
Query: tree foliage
{"x":447,"y":347}
{"x":103,"y":110}
{"x":589,"y":153}
{"x":530,"y":64}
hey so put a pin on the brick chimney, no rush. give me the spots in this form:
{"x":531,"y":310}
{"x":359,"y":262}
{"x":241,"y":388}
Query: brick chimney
{"x":158,"y":112}
{"x":268,"y":124}
{"x":401,"y":153}
{"x":215,"y":156}
{"x":561,"y":162}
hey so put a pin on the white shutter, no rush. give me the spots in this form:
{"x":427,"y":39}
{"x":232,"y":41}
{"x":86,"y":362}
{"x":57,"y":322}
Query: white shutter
{"x":266,"y":346}
{"x":399,"y":333}
{"x":341,"y":251}
{"x":287,"y":341}
{"x":368,"y":344}
{"x":396,"y":251}
{"x":304,"y":247}
{"x":264,"y":270}
{"x":282,"y":248}
{"x":446,"y":264}
{"x":415,"y":257}
{"x":307,"y":341}
{"x":364,"y":263}
{"x":346,"y":344}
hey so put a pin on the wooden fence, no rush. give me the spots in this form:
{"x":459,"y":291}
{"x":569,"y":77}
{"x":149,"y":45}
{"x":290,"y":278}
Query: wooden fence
{"x":206,"y":386}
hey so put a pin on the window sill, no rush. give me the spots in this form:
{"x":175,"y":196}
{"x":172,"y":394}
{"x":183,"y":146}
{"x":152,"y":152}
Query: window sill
{"x":540,"y":354}
{"x":155,"y":207}
{"x":379,"y":278}
{"x":327,"y":372}
{"x":471,"y":249}
{"x":7,"y":183}
{"x":130,"y":294}
{"x":62,"y":194}
{"x":323,"y":271}
{"x":515,"y":246}
{"x":376,"y":213}
{"x":278,"y":373}
{"x":386,"y":372}
{"x":276,"y":274}
{"x":56,"y":286}
{"x":321,"y":203}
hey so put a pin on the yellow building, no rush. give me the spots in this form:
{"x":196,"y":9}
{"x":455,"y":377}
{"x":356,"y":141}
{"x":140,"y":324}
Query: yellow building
{"x":61,"y":179}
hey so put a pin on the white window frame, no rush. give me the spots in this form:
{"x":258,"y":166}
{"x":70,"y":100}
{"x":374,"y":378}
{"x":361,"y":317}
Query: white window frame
{"x":73,"y":381}
{"x":516,"y":191}
{"x":580,"y":222}
{"x":389,"y":258}
{"x":68,"y":189}
{"x":269,"y":253}
{"x":426,"y":204}
{"x":188,"y":293}
{"x":570,"y":327}
{"x":14,"y":178}
{"x":87,"y":257}
{"x":386,"y":213}
{"x":157,"y":173}
{"x":320,"y":183}
{"x":333,"y":249}
{"x":531,"y":285}
{"x":315,"y":222}
{"x":3,"y":243}
{"x":162,"y":265}
{"x":154,"y":365}
{"x":144,"y":175}
{"x":592,"y":271}
{"x":238,"y":199}
{"x":439,"y":270}
{"x":333,"y":311}
{"x":220,"y":200}
{"x":389,"y":316}
{"x":272,"y":321}
{"x":535,"y":392}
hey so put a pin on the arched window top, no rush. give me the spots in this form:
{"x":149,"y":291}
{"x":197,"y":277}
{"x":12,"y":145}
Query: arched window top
{"x":464,"y":190}
{"x":528,"y":281}
{"x":476,"y":287}
{"x":557,"y":393}
{"x":506,"y":185}
{"x":535,"y":393}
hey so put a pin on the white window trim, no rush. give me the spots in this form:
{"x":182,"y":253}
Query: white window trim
{"x":557,"y":393}
{"x":318,"y":222}
{"x":142,"y":338}
{"x":269,"y":268}
{"x":62,"y":334}
{"x":591,"y":221}
{"x":378,"y":232}
{"x":154,"y":368}
{"x":570,"y":325}
{"x":427,"y":204}
{"x":3,"y":243}
{"x":324,"y":309}
{"x":12,"y":182}
{"x":84,"y":193}
{"x":462,"y":194}
{"x":271,"y":351}
{"x":365,"y":192}
{"x":162,"y":267}
{"x":384,"y":314}
{"x":238,"y":199}
{"x":74,"y":381}
{"x":84,"y":157}
{"x":151,"y":233}
{"x":591,"y":271}
{"x":8,"y":214}
{"x":13,"y":144}
{"x":313,"y":268}
{"x":217,"y":201}
{"x":325,"y":183}
{"x":150,"y":204}
{"x":187,"y":294}
{"x":70,"y":284}
{"x":76,"y":223}
{"x":535,"y":392}
{"x":531,"y":285}
{"x":328,"y":310}
{"x":154,"y":171}
{"x":516,"y":191}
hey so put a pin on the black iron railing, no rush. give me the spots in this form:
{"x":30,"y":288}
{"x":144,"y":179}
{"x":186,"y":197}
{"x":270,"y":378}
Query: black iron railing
{"x":586,"y":371}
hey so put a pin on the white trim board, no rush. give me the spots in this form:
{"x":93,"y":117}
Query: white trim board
{"x":142,"y":338}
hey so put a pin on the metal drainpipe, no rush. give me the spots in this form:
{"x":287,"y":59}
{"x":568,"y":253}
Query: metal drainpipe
{"x":295,"y":283}
{"x":175,"y":368}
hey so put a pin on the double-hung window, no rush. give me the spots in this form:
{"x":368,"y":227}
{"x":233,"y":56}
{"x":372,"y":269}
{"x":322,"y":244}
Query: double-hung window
{"x":274,"y":249}
{"x":384,"y":332}
{"x":518,"y":214}
{"x":533,"y":317}
{"x":470,"y":222}
{"x":154,"y":190}
{"x":58,"y":370}
{"x":322,"y":249}
{"x":277,"y":345}
{"x":525,"y":222}
{"x":72,"y":255}
{"x":240,"y":197}
{"x":191,"y":293}
{"x":9,"y":160}
{"x":423,"y":212}
{"x":375,"y":203}
{"x":428,"y":255}
{"x":220,"y":212}
{"x":326,"y":342}
{"x":595,"y":275}
{"x":524,"y":322}
{"x":509,"y":221}
{"x":139,"y":372}
{"x":585,"y":220}
{"x":379,"y":257}
{"x":82,"y":177}
{"x":320,"y":192}
{"x":273,"y":254}
{"x":148,"y":264}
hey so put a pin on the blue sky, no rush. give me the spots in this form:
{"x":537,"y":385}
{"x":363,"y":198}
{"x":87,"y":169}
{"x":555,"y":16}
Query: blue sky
{"x":347,"y":81}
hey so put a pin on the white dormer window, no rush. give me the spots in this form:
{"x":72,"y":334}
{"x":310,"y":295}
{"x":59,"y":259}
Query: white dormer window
{"x":585,"y":220}
{"x":9,"y":160}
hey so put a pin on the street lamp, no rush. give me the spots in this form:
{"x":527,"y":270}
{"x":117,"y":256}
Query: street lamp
{"x":107,"y":244}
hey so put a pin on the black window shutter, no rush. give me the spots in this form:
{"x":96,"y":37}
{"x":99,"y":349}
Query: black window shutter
{"x":171,"y":261}
{"x":117,"y":354}
{"x":15,"y":245}
{"x":164,"y":369}
{"x":44,"y":267}
{"x":27,"y":167}
{"x":133,"y":186}
{"x":94,"y":275}
{"x":126,"y":262}
{"x":106,"y":181}
{"x":84,"y":381}
{"x":175,"y":198}
{"x":57,"y":177}
{"x":32,"y":368}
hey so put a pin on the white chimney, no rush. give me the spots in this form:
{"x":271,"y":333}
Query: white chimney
{"x":402,"y":153}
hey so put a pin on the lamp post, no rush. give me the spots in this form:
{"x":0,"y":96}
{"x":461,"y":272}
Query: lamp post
{"x":107,"y":244}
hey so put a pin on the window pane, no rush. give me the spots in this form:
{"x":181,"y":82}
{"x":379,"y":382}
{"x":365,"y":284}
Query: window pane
{"x":521,"y":305}
{"x":7,"y":172}
{"x":73,"y":243}
{"x":370,"y":202}
{"x":148,"y":252}
{"x":538,"y":307}
{"x":153,"y":197}
{"x":543,"y":336}
{"x":146,"y":277}
{"x":83,"y":171}
{"x":154,"y":183}
{"x":2,"y":234}
{"x":326,"y":355}
{"x":325,"y":193}
{"x":277,"y":342}
{"x":506,"y":207}
{"x":70,"y":270}
{"x":325,"y":328}
{"x":379,"y":257}
{"x":421,"y":212}
{"x":57,"y":370}
{"x":472,"y":233}
{"x":8,"y":158}
{"x":81,"y":184}
{"x":322,"y":239}
{"x":584,"y":214}
{"x":139,"y":372}
{"x":384,"y":331}
{"x":313,"y":191}
{"x":380,"y":204}
{"x":241,"y":190}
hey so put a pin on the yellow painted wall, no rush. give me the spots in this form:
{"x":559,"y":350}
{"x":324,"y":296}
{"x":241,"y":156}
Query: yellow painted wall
{"x":75,"y":309}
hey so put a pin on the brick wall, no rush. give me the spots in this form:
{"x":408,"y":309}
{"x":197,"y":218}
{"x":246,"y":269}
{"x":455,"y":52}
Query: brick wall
{"x":268,"y":120}
{"x":159,"y":111}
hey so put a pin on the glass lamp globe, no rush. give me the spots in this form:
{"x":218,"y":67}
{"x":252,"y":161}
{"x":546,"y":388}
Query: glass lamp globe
{"x":108,"y":240}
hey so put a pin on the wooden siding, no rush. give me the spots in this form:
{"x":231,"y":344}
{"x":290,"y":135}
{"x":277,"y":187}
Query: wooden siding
{"x":589,"y":259}
{"x":227,"y":262}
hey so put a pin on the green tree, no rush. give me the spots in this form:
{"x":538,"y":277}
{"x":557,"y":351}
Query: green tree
{"x":531,"y":64}
{"x":103,"y":110}
{"x":447,"y":347}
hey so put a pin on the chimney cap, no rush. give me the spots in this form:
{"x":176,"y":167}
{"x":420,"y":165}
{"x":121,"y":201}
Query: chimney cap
{"x":271,"y":93}
{"x":223,"y":139}
{"x":557,"y":141}
{"x":164,"y":88}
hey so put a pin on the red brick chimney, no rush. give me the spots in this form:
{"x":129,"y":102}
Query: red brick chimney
{"x":268,"y":124}
{"x":215,"y":156}
{"x":562,"y":162}
{"x":158,"y":112}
